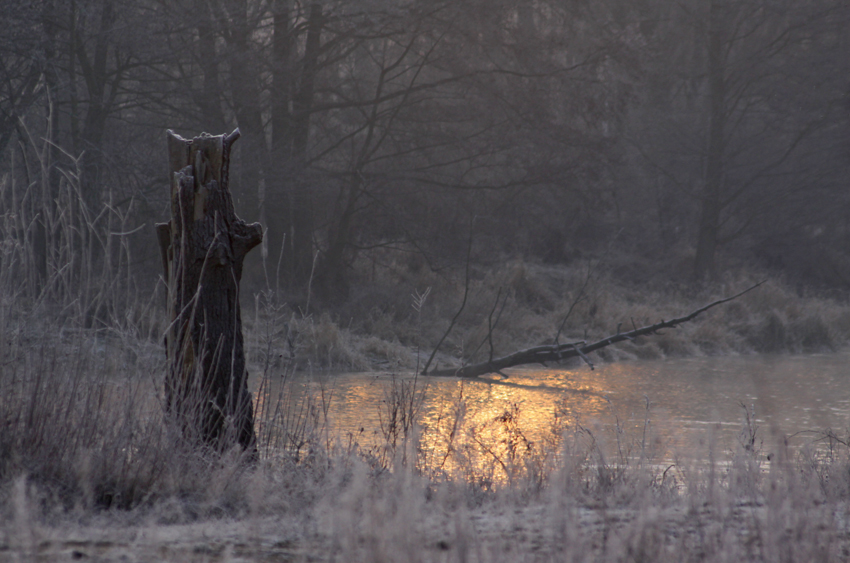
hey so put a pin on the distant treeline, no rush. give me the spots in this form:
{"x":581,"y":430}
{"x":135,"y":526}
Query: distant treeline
{"x":696,"y":131}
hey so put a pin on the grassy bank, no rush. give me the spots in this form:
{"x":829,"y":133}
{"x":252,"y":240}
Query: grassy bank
{"x":396,"y":315}
{"x":89,"y":470}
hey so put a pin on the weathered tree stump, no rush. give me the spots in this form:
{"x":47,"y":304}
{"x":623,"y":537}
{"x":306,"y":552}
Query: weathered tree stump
{"x":203,"y":247}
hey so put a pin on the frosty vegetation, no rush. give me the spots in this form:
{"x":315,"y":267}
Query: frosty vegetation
{"x":534,"y":170}
{"x":89,"y":469}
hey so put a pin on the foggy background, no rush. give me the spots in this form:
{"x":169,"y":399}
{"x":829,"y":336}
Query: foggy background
{"x":686,"y":136}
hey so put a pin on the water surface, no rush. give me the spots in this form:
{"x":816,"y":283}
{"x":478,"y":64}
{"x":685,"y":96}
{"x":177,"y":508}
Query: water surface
{"x":680,"y":406}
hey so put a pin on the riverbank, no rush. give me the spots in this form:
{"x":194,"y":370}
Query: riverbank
{"x":782,"y":526}
{"x":88,"y":470}
{"x":753,"y":504}
{"x":394,"y":321}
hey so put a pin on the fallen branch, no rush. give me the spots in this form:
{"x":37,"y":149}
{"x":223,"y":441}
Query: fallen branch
{"x":558,"y":352}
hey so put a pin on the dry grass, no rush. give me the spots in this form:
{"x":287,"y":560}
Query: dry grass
{"x":526,"y":303}
{"x":111,"y":485}
{"x":89,"y":470}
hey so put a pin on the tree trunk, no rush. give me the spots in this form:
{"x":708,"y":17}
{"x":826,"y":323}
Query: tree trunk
{"x":277,"y":206}
{"x":209,"y":98}
{"x":331,"y":281}
{"x":300,"y":243}
{"x":96,"y":73}
{"x":203,"y":247}
{"x":711,"y":205}
{"x":245,"y":88}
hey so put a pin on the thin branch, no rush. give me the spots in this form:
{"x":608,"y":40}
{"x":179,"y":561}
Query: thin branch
{"x":463,"y":303}
{"x":558,"y":352}
{"x":491,"y":324}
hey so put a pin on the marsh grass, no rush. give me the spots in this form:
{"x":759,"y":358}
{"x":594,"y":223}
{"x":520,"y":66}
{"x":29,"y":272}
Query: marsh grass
{"x":81,"y":440}
{"x":586,"y":298}
{"x":85,"y":453}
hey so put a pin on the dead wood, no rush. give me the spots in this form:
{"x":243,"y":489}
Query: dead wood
{"x":203,"y":248}
{"x":559,"y":352}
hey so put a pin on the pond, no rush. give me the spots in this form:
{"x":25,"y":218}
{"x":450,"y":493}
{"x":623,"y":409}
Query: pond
{"x":674,"y":408}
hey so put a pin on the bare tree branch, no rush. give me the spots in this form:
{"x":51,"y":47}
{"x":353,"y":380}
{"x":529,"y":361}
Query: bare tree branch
{"x":558,"y":352}
{"x":462,"y":305}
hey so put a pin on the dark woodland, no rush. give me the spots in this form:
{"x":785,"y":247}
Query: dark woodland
{"x":687,"y":136}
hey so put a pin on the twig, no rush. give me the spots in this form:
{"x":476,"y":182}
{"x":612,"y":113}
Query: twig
{"x":491,"y":324}
{"x":584,"y":357}
{"x":463,"y":303}
{"x":580,"y":296}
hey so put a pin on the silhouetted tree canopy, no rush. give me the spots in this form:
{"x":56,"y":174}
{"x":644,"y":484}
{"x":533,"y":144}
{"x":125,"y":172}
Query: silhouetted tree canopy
{"x":698,"y":130}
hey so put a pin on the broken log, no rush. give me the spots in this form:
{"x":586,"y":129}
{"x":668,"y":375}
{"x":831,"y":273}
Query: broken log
{"x":203,"y":247}
{"x":559,"y":352}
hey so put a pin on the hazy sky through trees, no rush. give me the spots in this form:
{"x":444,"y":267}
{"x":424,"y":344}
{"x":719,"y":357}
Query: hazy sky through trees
{"x":696,"y":129}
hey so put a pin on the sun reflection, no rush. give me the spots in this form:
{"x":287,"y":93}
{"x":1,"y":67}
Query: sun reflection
{"x":487,"y":430}
{"x":490,"y":431}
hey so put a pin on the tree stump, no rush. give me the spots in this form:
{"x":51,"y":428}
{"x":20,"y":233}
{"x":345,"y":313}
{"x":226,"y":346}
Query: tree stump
{"x":203,"y":247}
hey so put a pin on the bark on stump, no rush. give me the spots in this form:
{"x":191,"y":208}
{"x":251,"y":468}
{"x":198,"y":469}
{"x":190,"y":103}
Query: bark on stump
{"x":203,"y":247}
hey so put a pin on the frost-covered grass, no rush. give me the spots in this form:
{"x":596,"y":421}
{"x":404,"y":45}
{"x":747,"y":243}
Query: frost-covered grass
{"x":526,"y":303}
{"x":89,"y":470}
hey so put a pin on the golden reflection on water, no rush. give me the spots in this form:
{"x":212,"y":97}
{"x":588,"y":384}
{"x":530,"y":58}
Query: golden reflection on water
{"x":669,"y":410}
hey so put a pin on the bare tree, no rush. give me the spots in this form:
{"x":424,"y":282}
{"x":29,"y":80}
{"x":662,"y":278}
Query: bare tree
{"x":733,"y":119}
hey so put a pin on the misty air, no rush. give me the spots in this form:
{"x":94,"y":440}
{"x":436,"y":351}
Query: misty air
{"x":407,"y":281}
